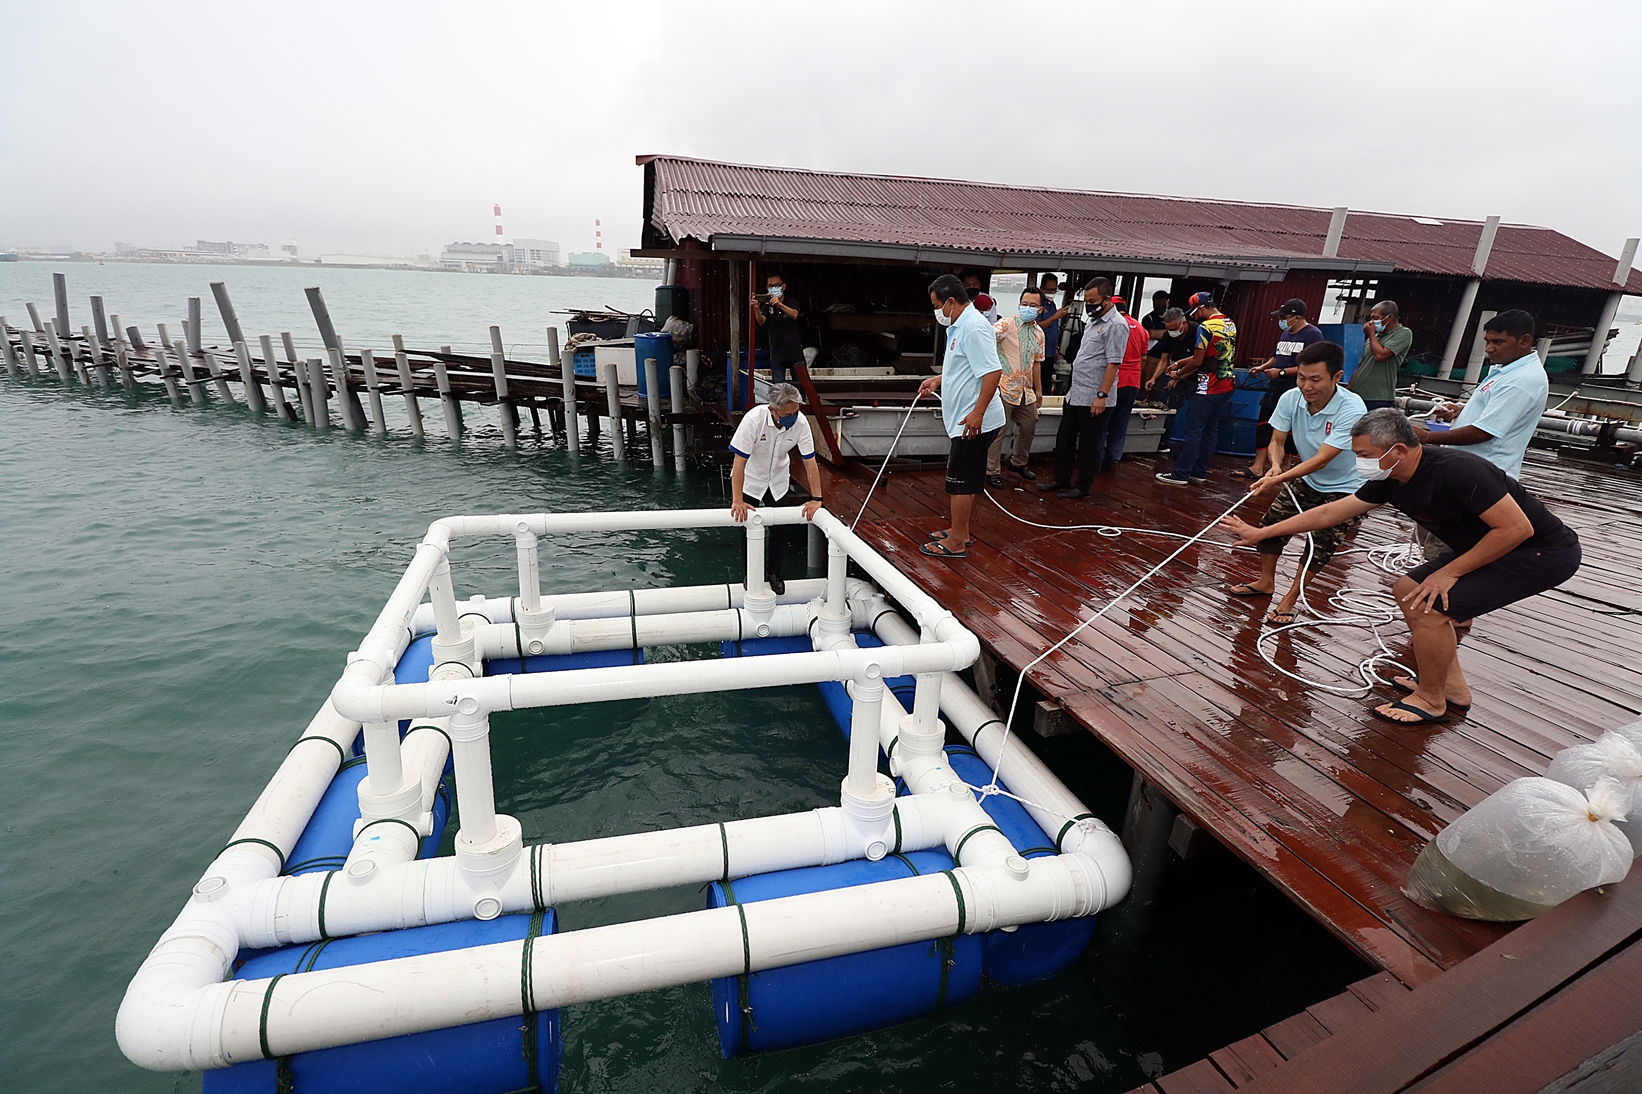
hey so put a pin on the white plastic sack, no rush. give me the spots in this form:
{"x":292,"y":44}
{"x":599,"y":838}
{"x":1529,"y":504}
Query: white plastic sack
{"x":1614,"y":756}
{"x":1632,"y":732}
{"x":1525,"y":849}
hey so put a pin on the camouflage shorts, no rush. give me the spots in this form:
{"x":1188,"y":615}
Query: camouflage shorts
{"x":1324,"y":541}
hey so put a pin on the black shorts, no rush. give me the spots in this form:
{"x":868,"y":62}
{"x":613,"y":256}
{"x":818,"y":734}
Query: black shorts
{"x":966,"y":463}
{"x":1517,"y":576}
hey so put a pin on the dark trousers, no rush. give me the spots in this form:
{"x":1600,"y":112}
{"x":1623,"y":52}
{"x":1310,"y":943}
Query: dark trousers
{"x":1078,"y":444}
{"x":1115,"y":422}
{"x":1204,"y":414}
{"x":775,"y":535}
{"x":782,"y":372}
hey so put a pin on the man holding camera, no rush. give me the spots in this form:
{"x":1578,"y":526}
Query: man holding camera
{"x":780,"y":320}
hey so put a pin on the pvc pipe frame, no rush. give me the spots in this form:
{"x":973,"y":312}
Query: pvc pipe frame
{"x":179,"y":1013}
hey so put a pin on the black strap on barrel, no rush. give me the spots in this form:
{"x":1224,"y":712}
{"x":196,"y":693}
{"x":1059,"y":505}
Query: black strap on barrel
{"x":743,"y":1000}
{"x":527,"y":1002}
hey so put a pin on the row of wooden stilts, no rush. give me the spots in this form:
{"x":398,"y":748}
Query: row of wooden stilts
{"x":302,"y":389}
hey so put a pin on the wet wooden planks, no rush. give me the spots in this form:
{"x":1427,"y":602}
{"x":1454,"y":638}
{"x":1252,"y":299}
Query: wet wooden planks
{"x":1513,"y":1019}
{"x":1329,"y":803}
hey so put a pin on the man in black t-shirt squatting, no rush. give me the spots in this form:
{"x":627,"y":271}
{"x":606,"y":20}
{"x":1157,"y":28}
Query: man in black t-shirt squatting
{"x":1503,"y":545}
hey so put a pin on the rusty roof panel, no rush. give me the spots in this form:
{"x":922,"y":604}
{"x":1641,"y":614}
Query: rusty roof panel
{"x":701,"y":199}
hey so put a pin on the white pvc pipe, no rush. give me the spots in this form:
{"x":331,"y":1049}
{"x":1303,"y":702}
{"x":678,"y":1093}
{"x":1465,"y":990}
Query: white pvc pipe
{"x":622,"y":603}
{"x":612,"y":398}
{"x":494,"y":640}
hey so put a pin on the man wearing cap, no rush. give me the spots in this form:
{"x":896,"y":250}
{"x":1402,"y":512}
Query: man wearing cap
{"x":1211,"y":365}
{"x":978,"y":296}
{"x":1294,"y":333}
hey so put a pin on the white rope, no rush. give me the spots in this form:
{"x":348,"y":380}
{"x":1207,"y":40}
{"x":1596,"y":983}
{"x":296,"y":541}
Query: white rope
{"x":1111,"y":531}
{"x":1359,"y":607}
{"x":887,"y":457}
{"x":1020,"y":680}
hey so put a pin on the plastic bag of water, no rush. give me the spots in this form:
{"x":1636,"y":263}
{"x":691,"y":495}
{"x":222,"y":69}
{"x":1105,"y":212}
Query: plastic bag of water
{"x":1525,"y":849}
{"x":1612,"y":756}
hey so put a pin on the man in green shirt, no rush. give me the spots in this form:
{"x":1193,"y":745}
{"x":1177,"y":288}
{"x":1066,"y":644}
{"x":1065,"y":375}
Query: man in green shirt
{"x":1386,"y":343}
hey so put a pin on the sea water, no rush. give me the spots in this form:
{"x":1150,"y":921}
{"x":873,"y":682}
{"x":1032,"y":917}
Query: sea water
{"x":180,"y":588}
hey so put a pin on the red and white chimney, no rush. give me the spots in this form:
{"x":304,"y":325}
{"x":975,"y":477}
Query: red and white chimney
{"x":498,"y":210}
{"x":598,"y":237}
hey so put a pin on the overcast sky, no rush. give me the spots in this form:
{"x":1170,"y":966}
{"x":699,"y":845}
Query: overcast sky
{"x":393,"y":127}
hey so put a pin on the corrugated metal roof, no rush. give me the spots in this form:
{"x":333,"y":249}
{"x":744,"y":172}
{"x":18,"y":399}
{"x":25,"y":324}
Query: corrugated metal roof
{"x":702,"y":199}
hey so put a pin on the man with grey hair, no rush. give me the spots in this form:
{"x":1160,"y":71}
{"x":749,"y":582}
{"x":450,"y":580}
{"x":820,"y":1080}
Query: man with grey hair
{"x":1386,"y":343}
{"x":762,"y":471}
{"x":1503,"y":545}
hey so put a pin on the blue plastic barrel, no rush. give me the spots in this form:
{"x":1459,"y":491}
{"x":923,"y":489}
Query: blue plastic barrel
{"x":816,"y":1001}
{"x":494,"y":1057}
{"x":326,"y":841}
{"x":659,"y":346}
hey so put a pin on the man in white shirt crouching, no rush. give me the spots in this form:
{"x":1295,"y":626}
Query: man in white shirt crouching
{"x":763,"y":446}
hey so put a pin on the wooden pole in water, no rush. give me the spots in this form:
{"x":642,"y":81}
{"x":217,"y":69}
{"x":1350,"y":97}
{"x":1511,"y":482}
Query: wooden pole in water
{"x":315,"y":370}
{"x":299,"y":376}
{"x":345,"y":395}
{"x":135,"y":337}
{"x":28,"y":352}
{"x":407,"y":383}
{"x":95,"y":348}
{"x":447,"y":397}
{"x":652,"y":398}
{"x":286,"y":414}
{"x":677,"y":373}
{"x":56,"y":348}
{"x":498,"y":371}
{"x":191,"y":328}
{"x":225,"y":308}
{"x":567,"y":389}
{"x":122,"y":359}
{"x":248,"y":379}
{"x":612,"y":397}
{"x":34,"y":317}
{"x":164,"y":367}
{"x":99,"y":322}
{"x":59,"y":289}
{"x":373,"y":387}
{"x":186,"y":367}
{"x":5,"y":348}
{"x":339,"y":377}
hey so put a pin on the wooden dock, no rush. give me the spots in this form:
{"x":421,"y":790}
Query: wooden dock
{"x":1328,"y":803}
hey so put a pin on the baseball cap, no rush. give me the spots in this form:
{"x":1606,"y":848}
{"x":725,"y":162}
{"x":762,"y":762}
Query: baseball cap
{"x":1199,"y":300}
{"x":1290,"y":307}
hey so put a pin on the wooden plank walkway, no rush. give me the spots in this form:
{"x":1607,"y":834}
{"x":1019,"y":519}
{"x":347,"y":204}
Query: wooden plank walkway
{"x":1557,"y":993}
{"x":1327,"y":802}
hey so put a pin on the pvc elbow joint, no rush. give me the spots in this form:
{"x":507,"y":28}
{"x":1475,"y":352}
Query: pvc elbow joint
{"x":1102,"y":854}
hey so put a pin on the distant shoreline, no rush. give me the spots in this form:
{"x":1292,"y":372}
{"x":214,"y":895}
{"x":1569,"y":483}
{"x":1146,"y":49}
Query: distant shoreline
{"x":615,"y":271}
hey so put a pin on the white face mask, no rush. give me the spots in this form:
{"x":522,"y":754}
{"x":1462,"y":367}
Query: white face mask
{"x":942,"y":317}
{"x":1369,"y":468}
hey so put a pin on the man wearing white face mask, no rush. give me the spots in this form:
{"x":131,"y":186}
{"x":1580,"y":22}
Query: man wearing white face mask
{"x":1502,"y":544}
{"x":970,"y":407}
{"x":1020,"y":352}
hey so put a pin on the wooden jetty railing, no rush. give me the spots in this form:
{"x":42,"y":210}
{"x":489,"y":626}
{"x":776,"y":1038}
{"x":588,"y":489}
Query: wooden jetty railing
{"x":302,"y":389}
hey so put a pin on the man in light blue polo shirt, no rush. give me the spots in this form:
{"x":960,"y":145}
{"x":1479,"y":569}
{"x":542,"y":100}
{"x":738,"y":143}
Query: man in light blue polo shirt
{"x":1318,"y":412}
{"x":970,"y":406}
{"x":1499,"y":419}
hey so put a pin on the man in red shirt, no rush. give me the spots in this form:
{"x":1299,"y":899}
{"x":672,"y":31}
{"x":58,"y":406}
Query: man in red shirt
{"x":1116,"y":419}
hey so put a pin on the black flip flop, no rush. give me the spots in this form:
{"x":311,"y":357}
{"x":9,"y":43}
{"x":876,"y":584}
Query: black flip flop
{"x":1270,"y":622}
{"x":937,"y":549}
{"x":1248,"y":590}
{"x":1400,"y":686}
{"x":1425,"y":718}
{"x":944,"y":534}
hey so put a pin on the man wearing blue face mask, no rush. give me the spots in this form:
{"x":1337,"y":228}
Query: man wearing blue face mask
{"x":1501,"y":545}
{"x":779,"y":318}
{"x":762,"y":470}
{"x":1386,"y":343}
